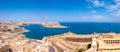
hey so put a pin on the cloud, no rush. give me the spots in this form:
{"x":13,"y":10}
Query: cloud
{"x":93,"y":11}
{"x":96,"y":18}
{"x":117,"y":14}
{"x":111,"y":6}
{"x":97,"y":3}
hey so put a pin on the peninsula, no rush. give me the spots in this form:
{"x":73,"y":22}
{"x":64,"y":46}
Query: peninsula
{"x":44,"y":24}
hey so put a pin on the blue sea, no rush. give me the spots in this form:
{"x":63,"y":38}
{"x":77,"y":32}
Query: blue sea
{"x":37,"y":31}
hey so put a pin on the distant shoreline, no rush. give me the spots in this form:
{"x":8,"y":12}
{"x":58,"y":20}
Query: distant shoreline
{"x":45,"y":24}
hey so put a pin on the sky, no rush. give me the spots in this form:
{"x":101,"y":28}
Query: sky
{"x":60,"y":10}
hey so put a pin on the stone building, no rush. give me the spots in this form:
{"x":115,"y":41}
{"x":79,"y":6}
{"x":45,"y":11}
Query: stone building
{"x":109,"y":43}
{"x":4,"y":47}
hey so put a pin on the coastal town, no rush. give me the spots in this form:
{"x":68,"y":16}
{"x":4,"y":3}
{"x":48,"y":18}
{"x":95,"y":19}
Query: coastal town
{"x":12,"y":39}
